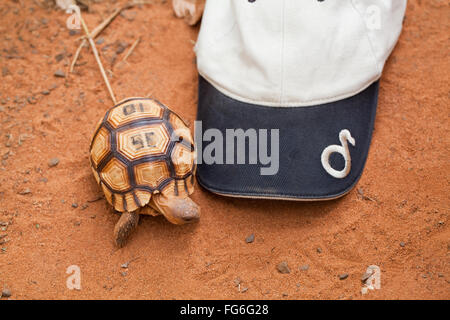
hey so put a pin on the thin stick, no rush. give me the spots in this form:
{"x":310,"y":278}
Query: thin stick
{"x":102,"y":26}
{"x":131,"y":49}
{"x":98,"y":29}
{"x":97,"y":58}
{"x":77,"y":55}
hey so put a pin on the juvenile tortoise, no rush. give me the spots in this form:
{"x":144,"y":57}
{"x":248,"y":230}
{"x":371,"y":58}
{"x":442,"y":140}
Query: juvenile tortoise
{"x":142,"y":155}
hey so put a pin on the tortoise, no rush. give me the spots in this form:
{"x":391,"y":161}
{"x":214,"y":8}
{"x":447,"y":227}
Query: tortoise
{"x":142,"y":155}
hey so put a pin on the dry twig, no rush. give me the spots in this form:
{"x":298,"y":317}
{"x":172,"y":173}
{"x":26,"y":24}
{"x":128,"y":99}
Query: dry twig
{"x":94,"y":35}
{"x":97,"y":58}
{"x":131,"y":49}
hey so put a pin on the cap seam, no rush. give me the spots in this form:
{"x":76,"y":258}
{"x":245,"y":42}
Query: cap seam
{"x":377,"y":64}
{"x":307,"y":103}
{"x":210,"y":43}
{"x":300,"y":197}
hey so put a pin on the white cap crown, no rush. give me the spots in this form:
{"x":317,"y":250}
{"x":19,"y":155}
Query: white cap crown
{"x":285,"y":53}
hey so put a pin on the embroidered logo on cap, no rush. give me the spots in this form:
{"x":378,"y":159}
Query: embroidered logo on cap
{"x":344,"y":136}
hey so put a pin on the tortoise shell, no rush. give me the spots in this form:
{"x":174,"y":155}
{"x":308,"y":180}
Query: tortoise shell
{"x":139,"y":148}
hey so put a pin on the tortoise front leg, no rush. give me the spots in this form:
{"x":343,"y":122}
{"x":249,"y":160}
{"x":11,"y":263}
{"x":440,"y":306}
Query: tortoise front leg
{"x":124,"y":227}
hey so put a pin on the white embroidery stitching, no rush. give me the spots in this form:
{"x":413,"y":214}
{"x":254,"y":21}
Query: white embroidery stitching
{"x":344,"y":136}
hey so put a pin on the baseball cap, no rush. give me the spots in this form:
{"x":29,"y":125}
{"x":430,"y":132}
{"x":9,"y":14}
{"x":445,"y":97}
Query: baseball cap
{"x":288,"y":94}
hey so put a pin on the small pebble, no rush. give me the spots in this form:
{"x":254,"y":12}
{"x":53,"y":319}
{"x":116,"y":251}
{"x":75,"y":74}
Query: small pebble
{"x":319,"y":250}
{"x":25,"y":192}
{"x":53,"y":162}
{"x":304,"y":268}
{"x":59,"y":57}
{"x":100,"y":41}
{"x":250,"y":238}
{"x":121,"y":46}
{"x":6,"y":293}
{"x":32,"y":100}
{"x":74,"y":205}
{"x":60,"y":74}
{"x":283,"y":268}
{"x":402,"y":244}
{"x":244,"y":290}
{"x":343,"y":276}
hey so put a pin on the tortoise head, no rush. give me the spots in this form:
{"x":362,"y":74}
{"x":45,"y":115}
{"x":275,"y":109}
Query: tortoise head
{"x":176,"y":209}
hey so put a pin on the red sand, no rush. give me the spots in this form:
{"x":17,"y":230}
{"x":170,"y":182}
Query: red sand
{"x":406,"y":176}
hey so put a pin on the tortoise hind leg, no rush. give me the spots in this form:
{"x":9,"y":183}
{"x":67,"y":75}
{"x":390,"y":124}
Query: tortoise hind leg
{"x":124,"y":227}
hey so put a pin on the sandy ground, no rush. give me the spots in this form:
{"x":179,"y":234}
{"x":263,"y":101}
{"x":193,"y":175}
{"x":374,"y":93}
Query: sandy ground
{"x":396,"y":218}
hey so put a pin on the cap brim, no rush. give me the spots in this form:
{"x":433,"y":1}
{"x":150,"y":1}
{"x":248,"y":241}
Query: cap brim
{"x":304,"y":133}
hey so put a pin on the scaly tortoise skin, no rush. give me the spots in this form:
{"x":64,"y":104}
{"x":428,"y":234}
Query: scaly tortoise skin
{"x":142,"y":155}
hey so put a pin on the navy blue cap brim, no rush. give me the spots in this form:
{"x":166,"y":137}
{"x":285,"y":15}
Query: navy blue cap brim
{"x":304,"y":132}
